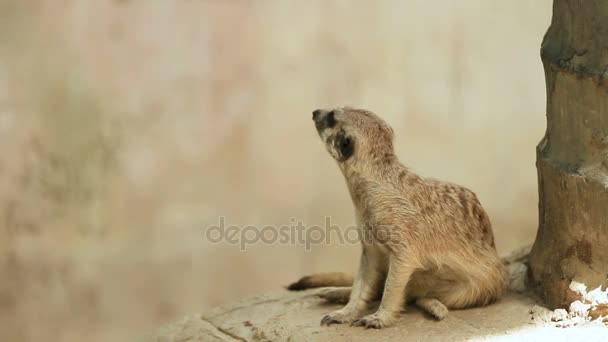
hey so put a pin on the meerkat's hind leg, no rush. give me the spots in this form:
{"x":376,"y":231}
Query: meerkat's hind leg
{"x":335,"y":295}
{"x":483,"y":282}
{"x":433,"y":306}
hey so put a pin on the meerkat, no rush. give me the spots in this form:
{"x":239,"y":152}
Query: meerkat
{"x":423,"y":240}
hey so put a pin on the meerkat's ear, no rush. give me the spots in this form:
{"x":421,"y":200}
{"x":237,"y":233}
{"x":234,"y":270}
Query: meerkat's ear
{"x":390,"y":131}
{"x":344,"y":145}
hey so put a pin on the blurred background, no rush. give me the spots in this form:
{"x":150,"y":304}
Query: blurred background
{"x":128,"y":127}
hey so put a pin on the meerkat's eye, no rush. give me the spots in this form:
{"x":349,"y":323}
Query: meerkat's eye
{"x":331,"y":119}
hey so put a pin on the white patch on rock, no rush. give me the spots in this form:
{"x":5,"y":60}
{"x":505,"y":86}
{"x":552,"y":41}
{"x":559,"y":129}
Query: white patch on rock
{"x":579,"y":310}
{"x":559,"y":315}
{"x":577,"y":287}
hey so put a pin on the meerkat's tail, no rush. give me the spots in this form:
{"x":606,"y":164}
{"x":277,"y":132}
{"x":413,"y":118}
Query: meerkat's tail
{"x":335,"y":279}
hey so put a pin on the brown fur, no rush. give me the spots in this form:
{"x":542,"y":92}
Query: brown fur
{"x":424,"y":240}
{"x":322,"y":280}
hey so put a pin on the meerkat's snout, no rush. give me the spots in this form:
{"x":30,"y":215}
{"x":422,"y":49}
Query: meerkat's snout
{"x":339,"y":145}
{"x":324,"y":119}
{"x":316,"y":114}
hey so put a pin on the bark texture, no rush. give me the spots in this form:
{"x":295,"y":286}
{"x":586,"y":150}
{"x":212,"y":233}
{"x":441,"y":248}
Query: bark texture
{"x":572,"y":158}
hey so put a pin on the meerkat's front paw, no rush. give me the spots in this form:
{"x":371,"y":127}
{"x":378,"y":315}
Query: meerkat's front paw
{"x":339,"y":317}
{"x":375,"y":321}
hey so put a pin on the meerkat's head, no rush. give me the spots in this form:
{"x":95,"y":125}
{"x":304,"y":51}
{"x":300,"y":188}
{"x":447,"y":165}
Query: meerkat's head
{"x":352,"y":135}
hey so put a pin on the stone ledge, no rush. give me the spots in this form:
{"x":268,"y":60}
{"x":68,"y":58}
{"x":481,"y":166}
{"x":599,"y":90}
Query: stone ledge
{"x":290,"y":316}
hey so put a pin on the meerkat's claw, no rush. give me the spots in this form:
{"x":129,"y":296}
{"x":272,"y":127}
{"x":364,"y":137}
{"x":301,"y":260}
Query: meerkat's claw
{"x":328,"y":320}
{"x":372,"y":321}
{"x":337,"y":317}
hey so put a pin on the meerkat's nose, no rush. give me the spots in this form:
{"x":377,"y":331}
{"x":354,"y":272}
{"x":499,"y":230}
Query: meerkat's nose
{"x":316,"y":114}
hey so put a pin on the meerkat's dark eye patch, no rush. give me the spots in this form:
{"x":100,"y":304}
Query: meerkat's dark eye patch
{"x":345,"y":145}
{"x":331,"y":119}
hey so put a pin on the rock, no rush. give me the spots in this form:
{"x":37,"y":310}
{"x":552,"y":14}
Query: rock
{"x":559,"y":315}
{"x":517,"y":277}
{"x":541,"y":314}
{"x":580,"y":309}
{"x":288,"y":316}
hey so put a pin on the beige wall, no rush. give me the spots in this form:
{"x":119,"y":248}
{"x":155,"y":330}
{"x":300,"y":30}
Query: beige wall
{"x":127,"y":127}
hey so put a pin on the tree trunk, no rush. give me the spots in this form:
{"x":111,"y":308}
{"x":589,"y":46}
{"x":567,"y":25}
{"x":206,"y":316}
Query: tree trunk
{"x":572,"y":158}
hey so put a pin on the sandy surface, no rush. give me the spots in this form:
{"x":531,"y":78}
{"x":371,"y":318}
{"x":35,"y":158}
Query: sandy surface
{"x":295,"y":317}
